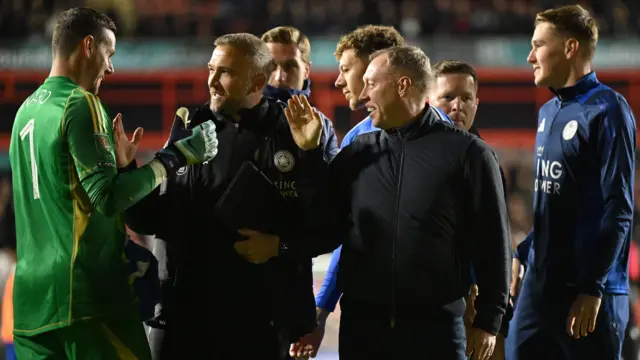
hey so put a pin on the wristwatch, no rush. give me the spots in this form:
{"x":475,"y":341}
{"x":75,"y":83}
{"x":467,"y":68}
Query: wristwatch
{"x":283,"y":247}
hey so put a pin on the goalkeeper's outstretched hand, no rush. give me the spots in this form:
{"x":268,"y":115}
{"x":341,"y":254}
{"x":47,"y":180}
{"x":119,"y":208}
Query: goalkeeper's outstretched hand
{"x":188,"y":146}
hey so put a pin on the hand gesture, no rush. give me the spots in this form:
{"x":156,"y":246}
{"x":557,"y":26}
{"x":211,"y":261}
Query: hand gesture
{"x":179,"y":128}
{"x":583,"y":315}
{"x":305,"y":122}
{"x":470,"y":313}
{"x":196,"y":145}
{"x":125,"y":150}
{"x":517,"y":274}
{"x":309,"y":344}
{"x":258,"y":248}
{"x":480,"y":344}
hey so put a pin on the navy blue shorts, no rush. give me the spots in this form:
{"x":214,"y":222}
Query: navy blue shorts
{"x":538,"y":329}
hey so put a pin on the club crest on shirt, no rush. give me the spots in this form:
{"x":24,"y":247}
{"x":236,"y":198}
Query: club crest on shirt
{"x":103,"y":145}
{"x":182,"y":170}
{"x":284,"y":161}
{"x":570,"y":130}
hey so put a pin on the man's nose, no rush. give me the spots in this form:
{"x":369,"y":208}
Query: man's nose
{"x":364,"y":95}
{"x":340,"y":83}
{"x":280,"y":74}
{"x":531,"y":59}
{"x":456,"y":104}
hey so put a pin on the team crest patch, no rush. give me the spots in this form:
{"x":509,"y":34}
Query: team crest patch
{"x":182,"y":170}
{"x":103,"y":145}
{"x":570,"y":130}
{"x":284,"y":161}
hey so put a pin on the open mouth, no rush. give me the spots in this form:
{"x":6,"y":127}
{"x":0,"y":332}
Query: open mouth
{"x":371,"y":110}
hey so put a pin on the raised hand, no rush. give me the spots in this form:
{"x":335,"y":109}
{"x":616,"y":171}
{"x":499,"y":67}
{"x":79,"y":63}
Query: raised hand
{"x":125,"y":149}
{"x":304,"y":121}
{"x":189,"y":146}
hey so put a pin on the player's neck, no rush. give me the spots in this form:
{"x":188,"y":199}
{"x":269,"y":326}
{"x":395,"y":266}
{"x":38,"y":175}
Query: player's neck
{"x":576,"y":72}
{"x":62,"y":67}
{"x":408,"y":112}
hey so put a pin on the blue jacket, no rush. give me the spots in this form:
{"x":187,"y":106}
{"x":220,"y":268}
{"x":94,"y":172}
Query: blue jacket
{"x":583,"y":199}
{"x":328,"y":132}
{"x":328,"y":295}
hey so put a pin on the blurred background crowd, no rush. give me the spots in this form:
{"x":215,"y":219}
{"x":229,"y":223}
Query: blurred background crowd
{"x":202,"y":18}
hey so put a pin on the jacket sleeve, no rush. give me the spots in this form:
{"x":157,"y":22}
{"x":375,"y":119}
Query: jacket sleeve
{"x":328,"y":295}
{"x":162,"y":211}
{"x":330,"y":140}
{"x":522,"y":250}
{"x":90,"y":139}
{"x":616,"y":156}
{"x":491,"y":250}
{"x":145,"y":217}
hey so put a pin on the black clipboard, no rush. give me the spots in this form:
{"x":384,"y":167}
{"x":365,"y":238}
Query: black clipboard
{"x":251,"y":201}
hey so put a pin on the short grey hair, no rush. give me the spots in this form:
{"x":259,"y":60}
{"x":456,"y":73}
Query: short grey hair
{"x":410,"y":61}
{"x":256,"y":49}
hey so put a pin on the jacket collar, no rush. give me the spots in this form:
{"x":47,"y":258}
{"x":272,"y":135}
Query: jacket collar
{"x":581,"y":87}
{"x":286,"y":94}
{"x":417,"y":127}
{"x":250,"y":117}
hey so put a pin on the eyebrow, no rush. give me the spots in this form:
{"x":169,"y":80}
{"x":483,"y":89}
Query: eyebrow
{"x":222,"y":68}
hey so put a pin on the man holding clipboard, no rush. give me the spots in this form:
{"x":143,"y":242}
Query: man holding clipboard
{"x":264,"y":167}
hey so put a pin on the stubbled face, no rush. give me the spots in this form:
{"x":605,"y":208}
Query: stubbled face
{"x":548,"y":57}
{"x":99,"y":59}
{"x":381,"y":94}
{"x":352,"y":68}
{"x":291,"y":71}
{"x":230,"y":74}
{"x":456,"y":95}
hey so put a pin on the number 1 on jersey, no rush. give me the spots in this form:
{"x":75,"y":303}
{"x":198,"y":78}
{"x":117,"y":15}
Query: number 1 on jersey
{"x":27,"y":130}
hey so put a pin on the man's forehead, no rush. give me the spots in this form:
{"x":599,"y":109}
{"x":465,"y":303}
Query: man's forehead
{"x":457,"y":80}
{"x":376,"y":65}
{"x":543,"y":31}
{"x":228,"y":55}
{"x":110,"y":38}
{"x":284,"y":51}
{"x":348,"y":57}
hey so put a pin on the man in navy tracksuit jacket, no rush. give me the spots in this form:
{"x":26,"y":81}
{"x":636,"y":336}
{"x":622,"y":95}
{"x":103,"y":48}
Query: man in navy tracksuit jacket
{"x":574,"y":301}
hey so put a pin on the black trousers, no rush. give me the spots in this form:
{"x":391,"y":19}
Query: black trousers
{"x":366,"y":335}
{"x":237,"y":341}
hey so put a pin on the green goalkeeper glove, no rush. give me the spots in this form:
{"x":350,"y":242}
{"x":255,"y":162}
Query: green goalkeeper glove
{"x":188,"y":146}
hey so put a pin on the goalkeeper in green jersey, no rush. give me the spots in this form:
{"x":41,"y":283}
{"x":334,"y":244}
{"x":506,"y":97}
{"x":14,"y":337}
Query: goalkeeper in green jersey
{"x":72,"y":299}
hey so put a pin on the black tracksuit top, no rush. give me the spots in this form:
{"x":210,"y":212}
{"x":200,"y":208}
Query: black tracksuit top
{"x":413,"y":208}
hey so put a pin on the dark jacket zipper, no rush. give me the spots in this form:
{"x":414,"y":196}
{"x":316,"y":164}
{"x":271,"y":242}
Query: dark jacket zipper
{"x":232,"y":157}
{"x":392,"y":321}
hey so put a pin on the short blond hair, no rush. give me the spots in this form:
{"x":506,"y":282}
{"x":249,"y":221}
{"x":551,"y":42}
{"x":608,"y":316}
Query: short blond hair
{"x":410,"y":61}
{"x":368,"y":39}
{"x":290,"y":36}
{"x":573,"y":21}
{"x":254,"y":48}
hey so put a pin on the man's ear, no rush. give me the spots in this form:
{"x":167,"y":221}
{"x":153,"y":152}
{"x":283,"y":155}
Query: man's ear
{"x":403,"y":84}
{"x":571,"y":48}
{"x":88,"y":45}
{"x":258,"y":82}
{"x":307,"y":70}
